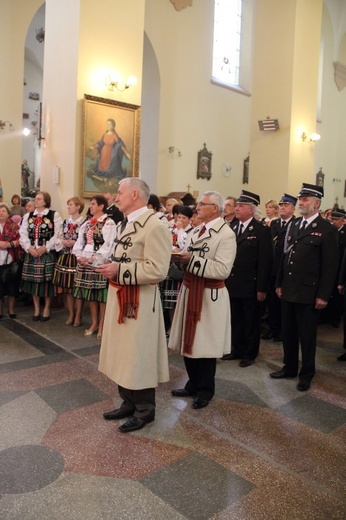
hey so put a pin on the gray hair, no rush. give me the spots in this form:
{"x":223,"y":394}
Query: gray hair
{"x":256,"y":212}
{"x":230,"y":197}
{"x":216,"y":199}
{"x":139,"y":185}
{"x":4,"y":205}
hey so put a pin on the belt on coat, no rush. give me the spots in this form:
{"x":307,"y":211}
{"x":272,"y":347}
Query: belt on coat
{"x":196,"y":286}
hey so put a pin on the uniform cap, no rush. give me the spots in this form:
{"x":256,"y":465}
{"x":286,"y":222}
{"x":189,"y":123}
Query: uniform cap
{"x":246,"y":197}
{"x":311,"y":190}
{"x":338,"y":213}
{"x":288,"y":199}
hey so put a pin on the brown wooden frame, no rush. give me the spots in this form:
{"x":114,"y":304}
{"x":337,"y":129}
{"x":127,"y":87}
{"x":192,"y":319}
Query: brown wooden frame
{"x":204,"y":163}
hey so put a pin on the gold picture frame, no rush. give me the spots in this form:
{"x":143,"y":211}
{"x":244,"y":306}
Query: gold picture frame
{"x":204,"y":157}
{"x":111,"y":137}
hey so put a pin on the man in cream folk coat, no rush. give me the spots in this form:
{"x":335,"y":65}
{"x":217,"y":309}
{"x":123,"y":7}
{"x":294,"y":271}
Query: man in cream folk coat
{"x":201,"y":328}
{"x":133,"y":350}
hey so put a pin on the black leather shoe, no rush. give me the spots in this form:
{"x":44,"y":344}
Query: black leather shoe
{"x":44,"y":318}
{"x":281,"y":374}
{"x":267,"y":335}
{"x":181,"y":392}
{"x":13,"y":316}
{"x":303,"y":385}
{"x":277,"y":338}
{"x":114,"y":415}
{"x":134,"y":424}
{"x":36,"y":318}
{"x":199,"y":403}
{"x":230,"y":357}
{"x":246,"y":362}
{"x":342,"y":357}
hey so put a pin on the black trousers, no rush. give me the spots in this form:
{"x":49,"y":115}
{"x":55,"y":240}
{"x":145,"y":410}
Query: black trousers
{"x":274,"y":309}
{"x":344,"y":317}
{"x":246,"y":327}
{"x":140,"y":402}
{"x":299,"y":325}
{"x":201,"y":372}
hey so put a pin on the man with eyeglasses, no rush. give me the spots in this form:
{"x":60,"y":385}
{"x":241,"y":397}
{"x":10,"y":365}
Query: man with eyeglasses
{"x":201,"y":324}
{"x":249,"y":280}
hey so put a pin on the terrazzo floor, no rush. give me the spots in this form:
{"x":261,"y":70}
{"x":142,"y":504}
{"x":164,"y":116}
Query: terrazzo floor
{"x":261,"y":450}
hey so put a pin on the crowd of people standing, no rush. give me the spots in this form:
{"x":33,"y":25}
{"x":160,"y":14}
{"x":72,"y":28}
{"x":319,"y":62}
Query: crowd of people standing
{"x":203,"y":277}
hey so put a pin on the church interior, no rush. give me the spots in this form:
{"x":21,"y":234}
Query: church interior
{"x":261,"y":450}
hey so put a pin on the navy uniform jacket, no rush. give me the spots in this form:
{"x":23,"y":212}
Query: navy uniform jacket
{"x":114,"y":213}
{"x":278,"y":236}
{"x":253,"y":262}
{"x":310,"y":263}
{"x":342,"y":243}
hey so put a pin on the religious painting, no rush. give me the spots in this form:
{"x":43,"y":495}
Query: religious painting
{"x":320,"y":178}
{"x":204,"y":163}
{"x":246,"y":170}
{"x":111,"y":135}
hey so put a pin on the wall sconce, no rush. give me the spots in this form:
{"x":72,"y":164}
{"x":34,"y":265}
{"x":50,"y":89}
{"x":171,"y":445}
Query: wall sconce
{"x":173,"y":149}
{"x":113,"y":82}
{"x":35,"y":131}
{"x":3,"y":125}
{"x":313,"y":137}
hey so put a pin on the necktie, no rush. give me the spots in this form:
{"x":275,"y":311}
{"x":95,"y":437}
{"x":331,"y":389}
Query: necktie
{"x":283,"y":224}
{"x":302,"y":227}
{"x":240,"y":229}
{"x":123,"y":224}
{"x":202,"y":230}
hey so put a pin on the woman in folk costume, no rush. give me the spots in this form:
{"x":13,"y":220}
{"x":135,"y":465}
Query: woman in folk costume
{"x":66,"y":266}
{"x":94,"y":246}
{"x":9,"y":251}
{"x":38,"y":233}
{"x":171,"y":285}
{"x":155,"y":204}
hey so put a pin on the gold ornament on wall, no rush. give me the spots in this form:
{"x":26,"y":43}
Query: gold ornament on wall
{"x":181,"y":4}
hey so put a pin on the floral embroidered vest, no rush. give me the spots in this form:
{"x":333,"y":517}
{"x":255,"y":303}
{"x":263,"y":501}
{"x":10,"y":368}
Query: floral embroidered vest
{"x":70,"y":232}
{"x":41,"y":228}
{"x":93,"y":231}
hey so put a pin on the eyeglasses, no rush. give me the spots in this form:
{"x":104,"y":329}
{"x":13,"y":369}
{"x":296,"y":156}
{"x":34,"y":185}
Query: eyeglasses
{"x":205,"y":204}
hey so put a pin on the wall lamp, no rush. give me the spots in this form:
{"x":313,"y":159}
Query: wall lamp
{"x":33,"y":130}
{"x":173,"y":149}
{"x":113,"y":82}
{"x":3,"y":125}
{"x":313,"y":137}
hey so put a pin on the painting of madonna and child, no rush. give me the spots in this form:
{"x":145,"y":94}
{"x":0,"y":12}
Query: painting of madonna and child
{"x":110,"y":144}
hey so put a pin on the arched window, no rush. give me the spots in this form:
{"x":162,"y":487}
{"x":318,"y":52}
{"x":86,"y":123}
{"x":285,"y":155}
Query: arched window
{"x":232,"y":44}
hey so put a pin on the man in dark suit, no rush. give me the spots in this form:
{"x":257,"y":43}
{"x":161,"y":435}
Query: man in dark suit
{"x":229,"y":210}
{"x":278,"y":228}
{"x":114,"y":213}
{"x":305,"y":281}
{"x":249,"y":279}
{"x":342,"y":292}
{"x":334,"y":310}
